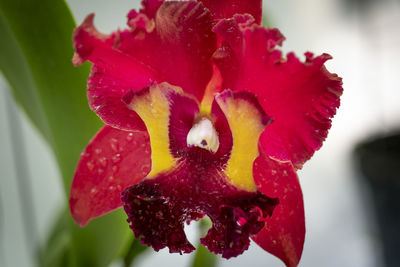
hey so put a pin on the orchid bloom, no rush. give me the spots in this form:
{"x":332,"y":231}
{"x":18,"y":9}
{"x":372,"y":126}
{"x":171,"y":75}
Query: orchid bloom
{"x":204,"y":116}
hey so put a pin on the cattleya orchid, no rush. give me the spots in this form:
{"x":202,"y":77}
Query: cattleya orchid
{"x":204,"y":116}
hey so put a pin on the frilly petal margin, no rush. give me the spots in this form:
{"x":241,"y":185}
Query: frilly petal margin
{"x":112,"y":75}
{"x":112,"y":161}
{"x":222,"y":9}
{"x":284,"y":232}
{"x":176,"y":41}
{"x":157,"y":208}
{"x":302,"y":97}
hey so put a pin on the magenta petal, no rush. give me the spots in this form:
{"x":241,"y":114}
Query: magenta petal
{"x":157,"y":208}
{"x":222,"y":9}
{"x":177,"y":43}
{"x":302,"y":97}
{"x":284,"y":232}
{"x":112,"y":75}
{"x":112,"y":161}
{"x":183,"y":111}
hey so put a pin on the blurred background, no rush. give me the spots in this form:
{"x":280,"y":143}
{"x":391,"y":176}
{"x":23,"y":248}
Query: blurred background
{"x":363,"y":36}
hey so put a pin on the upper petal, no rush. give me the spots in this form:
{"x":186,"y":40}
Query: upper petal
{"x":227,"y":8}
{"x":177,"y":42}
{"x":112,"y":161}
{"x":169,"y":41}
{"x":302,"y":97}
{"x":284,"y":232}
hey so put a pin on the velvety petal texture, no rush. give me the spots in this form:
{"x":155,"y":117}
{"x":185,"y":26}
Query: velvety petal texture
{"x":112,"y":161}
{"x":157,"y":209}
{"x":284,"y":232}
{"x":302,"y":97}
{"x":193,"y":181}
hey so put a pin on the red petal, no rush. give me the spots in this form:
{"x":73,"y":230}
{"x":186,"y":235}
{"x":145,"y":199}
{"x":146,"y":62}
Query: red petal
{"x":112,"y":161}
{"x":302,"y":97}
{"x":112,"y":75}
{"x":227,"y":8}
{"x":150,"y":7}
{"x":178,"y":43}
{"x":284,"y":232}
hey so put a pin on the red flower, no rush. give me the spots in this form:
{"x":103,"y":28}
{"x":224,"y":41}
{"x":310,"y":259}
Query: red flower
{"x":185,"y":93}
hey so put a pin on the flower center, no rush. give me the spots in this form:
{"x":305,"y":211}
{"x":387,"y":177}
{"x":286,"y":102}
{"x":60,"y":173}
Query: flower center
{"x":203,"y":135}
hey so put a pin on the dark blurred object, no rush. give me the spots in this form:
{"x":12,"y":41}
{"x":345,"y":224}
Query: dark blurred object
{"x":360,"y":5}
{"x":379,"y":163}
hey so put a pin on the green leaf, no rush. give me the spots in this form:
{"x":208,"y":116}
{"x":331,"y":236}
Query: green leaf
{"x":135,"y":249}
{"x":35,"y":58}
{"x":202,"y":256}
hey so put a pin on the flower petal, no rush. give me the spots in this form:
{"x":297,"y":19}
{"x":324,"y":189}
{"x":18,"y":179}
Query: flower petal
{"x":301,"y":97}
{"x":284,"y":232}
{"x":246,"y":121}
{"x":178,"y":43}
{"x":111,"y":76}
{"x":168,"y":115}
{"x":112,"y":161}
{"x":157,"y":208}
{"x":227,"y":8}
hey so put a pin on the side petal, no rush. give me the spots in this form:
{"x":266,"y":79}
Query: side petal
{"x":112,"y":161}
{"x":222,"y":9}
{"x":284,"y":232}
{"x":112,"y":74}
{"x":302,"y":97}
{"x":178,"y":43}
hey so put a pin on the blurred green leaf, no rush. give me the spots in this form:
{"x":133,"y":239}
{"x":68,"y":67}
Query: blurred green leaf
{"x":58,"y":246}
{"x":35,"y":58}
{"x":202,"y":256}
{"x":135,"y":248}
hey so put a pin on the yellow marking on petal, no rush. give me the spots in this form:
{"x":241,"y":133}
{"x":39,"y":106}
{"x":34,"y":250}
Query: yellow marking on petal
{"x":153,"y":109}
{"x":245,"y":122}
{"x":213,"y":86}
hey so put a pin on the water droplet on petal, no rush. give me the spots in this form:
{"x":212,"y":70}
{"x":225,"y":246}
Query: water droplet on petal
{"x":103,"y":161}
{"x":273,"y":172}
{"x":111,"y":178}
{"x":100,"y":171}
{"x":114,"y":169}
{"x":90,"y":165}
{"x":116,"y":158}
{"x":145,"y":168}
{"x":111,"y":187}
{"x":97,"y":150}
{"x":129,"y":138}
{"x":114,"y":144}
{"x":93,"y":191}
{"x":85,"y":154}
